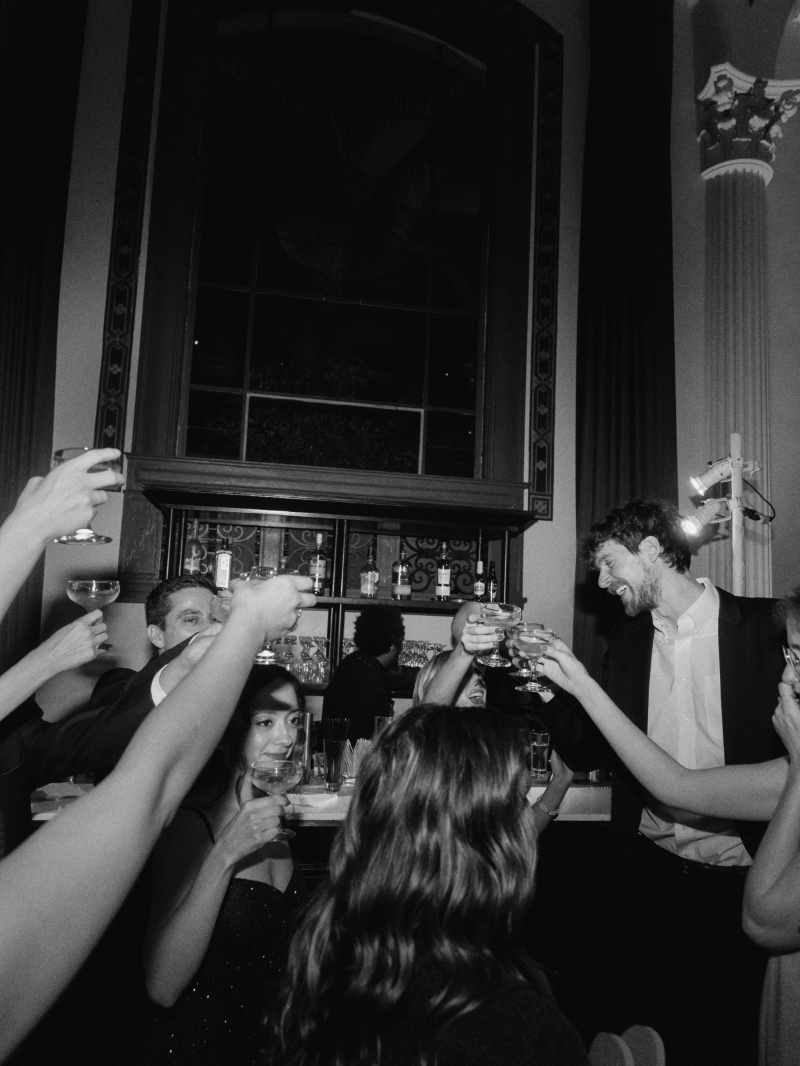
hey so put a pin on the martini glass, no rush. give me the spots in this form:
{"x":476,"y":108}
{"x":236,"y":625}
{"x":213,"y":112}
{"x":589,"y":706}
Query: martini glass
{"x":504,"y":615}
{"x":529,"y":647}
{"x":523,"y":671}
{"x":276,"y":775}
{"x":86,"y":535}
{"x":92,"y":595}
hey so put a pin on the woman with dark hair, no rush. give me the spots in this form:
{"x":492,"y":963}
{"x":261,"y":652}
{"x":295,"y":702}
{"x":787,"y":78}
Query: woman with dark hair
{"x":409,"y":953}
{"x":225,"y":891}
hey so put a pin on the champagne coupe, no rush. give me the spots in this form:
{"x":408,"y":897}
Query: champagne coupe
{"x":276,"y":775}
{"x":92,"y":595}
{"x":86,"y":535}
{"x":267,"y":656}
{"x":530,"y":647}
{"x":505,"y":616}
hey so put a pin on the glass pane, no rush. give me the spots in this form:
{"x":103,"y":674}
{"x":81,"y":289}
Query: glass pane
{"x":340,"y":351}
{"x":450,"y":445}
{"x":220,"y":338}
{"x":234,"y":135}
{"x":454,"y":354}
{"x":310,"y":434}
{"x":355,"y":178}
{"x":215,"y":420}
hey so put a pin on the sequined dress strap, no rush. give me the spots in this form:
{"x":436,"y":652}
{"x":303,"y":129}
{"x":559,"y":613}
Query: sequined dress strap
{"x":199,"y":813}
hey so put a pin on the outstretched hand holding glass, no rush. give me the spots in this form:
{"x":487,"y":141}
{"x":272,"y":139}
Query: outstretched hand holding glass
{"x":86,"y":535}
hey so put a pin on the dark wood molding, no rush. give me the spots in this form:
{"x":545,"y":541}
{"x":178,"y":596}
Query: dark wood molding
{"x":191,"y":478}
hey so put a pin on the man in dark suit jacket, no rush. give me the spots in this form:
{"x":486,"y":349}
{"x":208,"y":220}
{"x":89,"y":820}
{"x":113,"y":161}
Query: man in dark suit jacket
{"x":34,"y":752}
{"x":696,"y":669}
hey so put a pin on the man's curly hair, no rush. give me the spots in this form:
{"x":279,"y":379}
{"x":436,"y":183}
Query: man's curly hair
{"x":378,"y":628}
{"x":634,"y":521}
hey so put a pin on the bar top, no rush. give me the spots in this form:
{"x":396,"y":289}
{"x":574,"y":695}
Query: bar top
{"x":584,"y":802}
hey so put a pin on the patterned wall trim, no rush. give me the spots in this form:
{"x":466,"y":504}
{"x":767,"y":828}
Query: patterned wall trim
{"x":545,"y":285}
{"x":126,"y":234}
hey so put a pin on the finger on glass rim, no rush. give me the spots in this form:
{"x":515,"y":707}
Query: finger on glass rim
{"x":95,"y":455}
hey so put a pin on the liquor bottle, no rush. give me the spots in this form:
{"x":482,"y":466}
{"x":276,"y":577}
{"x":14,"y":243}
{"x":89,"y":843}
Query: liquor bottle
{"x":479,"y":588}
{"x":401,"y":577}
{"x":491,"y":585}
{"x":318,"y":567}
{"x":370,"y":576}
{"x":192,"y":551}
{"x":222,"y":566}
{"x":284,"y":563}
{"x":443,"y":571}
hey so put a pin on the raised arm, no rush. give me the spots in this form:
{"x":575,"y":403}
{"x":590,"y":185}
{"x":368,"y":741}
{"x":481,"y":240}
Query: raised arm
{"x":771,"y":913}
{"x":60,"y":889}
{"x":71,"y":646}
{"x":47,"y":508}
{"x":476,"y":638}
{"x":747,"y":792}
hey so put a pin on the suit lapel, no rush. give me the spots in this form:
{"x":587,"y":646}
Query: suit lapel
{"x":641,"y":653}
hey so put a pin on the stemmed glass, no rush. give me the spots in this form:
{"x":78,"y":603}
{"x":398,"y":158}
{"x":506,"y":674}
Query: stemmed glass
{"x":504,"y":615}
{"x":322,"y":665}
{"x":305,"y":663}
{"x":86,"y":535}
{"x":275,"y":776}
{"x":529,"y":647}
{"x":92,"y":595}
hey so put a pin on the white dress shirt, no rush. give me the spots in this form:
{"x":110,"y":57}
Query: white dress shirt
{"x":685,"y":719}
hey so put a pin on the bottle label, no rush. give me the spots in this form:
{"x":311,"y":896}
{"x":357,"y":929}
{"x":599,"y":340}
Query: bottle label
{"x":369,"y":584}
{"x":401,"y":591}
{"x":222,"y":572}
{"x":316,"y":568}
{"x":479,"y":588}
{"x":443,"y":582}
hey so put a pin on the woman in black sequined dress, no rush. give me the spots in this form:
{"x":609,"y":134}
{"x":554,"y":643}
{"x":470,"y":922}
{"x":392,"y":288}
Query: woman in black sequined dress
{"x":225,"y":892}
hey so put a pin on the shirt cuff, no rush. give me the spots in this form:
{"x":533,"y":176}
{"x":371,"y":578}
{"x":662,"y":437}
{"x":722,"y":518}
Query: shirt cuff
{"x":157,"y":693}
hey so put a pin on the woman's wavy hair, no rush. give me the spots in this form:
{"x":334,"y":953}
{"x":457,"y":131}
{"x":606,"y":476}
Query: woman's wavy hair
{"x":227,"y":757}
{"x":431,"y":873}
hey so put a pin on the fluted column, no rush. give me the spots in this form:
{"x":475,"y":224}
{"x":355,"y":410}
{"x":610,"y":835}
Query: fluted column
{"x":741,"y":119}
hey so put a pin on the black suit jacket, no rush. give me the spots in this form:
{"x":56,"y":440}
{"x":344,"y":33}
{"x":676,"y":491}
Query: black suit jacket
{"x":34,"y":752}
{"x":750,"y":665}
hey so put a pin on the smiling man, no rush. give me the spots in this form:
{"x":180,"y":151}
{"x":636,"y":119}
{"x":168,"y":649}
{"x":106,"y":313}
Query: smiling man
{"x":696,"y":669}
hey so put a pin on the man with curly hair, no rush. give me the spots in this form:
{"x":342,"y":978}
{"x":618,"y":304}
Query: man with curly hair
{"x":697,"y":670}
{"x":360,"y":688}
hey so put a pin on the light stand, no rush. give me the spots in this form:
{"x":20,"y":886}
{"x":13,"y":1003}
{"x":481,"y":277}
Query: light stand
{"x":733,"y":467}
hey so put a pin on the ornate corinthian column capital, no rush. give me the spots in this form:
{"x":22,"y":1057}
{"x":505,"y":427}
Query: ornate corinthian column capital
{"x":741,"y":118}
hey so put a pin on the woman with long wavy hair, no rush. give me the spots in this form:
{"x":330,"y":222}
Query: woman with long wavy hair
{"x":410,"y":952}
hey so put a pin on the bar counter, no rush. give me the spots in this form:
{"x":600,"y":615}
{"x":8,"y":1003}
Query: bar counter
{"x":584,"y":802}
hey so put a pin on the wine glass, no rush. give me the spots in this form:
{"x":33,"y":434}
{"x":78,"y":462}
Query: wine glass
{"x":92,"y":595}
{"x":277,"y":775}
{"x":86,"y":535}
{"x":322,"y":664}
{"x":529,"y":646}
{"x":504,"y":615}
{"x":522,"y":670}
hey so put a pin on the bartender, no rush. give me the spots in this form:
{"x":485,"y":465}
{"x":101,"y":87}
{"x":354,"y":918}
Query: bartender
{"x":363,"y":684}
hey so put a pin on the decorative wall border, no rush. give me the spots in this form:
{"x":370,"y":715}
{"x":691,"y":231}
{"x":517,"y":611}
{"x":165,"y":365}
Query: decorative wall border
{"x":545,"y":230}
{"x":127,"y":224}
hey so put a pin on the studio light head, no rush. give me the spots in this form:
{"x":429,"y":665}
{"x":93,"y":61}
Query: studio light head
{"x":712,"y":511}
{"x":719,"y":471}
